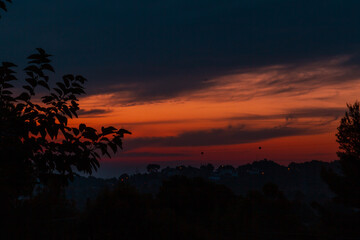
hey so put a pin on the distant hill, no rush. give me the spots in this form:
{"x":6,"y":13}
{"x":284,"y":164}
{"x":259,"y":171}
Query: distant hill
{"x":298,"y":181}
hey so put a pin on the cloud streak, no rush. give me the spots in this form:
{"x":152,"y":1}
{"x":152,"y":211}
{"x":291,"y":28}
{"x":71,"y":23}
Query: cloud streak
{"x":283,"y":81}
{"x":289,"y":80}
{"x":219,"y":136}
{"x":93,"y":112}
{"x":149,"y":154}
{"x":333,"y":113}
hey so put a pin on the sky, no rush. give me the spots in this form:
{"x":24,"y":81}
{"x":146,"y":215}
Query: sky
{"x":219,"y":77}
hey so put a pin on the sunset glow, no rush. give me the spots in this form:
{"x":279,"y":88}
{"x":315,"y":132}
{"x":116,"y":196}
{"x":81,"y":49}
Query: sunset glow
{"x":252,"y":103}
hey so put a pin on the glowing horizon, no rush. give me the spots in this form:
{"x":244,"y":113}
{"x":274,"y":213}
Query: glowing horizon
{"x":292,"y":112}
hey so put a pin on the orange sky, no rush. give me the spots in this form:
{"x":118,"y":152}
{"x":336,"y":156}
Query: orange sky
{"x":304,"y":98}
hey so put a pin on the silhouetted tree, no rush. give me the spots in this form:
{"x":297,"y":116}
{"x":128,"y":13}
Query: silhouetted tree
{"x":3,"y":5}
{"x":36,"y":143}
{"x":225,"y":167}
{"x":209,"y":167}
{"x":153,"y":168}
{"x":347,"y":185}
{"x":272,"y":191}
{"x":194,"y":197}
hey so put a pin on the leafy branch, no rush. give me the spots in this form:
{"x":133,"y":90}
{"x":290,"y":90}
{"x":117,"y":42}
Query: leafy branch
{"x":35,"y":133}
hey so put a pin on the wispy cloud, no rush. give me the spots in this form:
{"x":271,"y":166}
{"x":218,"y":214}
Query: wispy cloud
{"x":93,"y":112}
{"x":149,"y":154}
{"x":325,"y":113}
{"x":283,"y":81}
{"x":220,"y":136}
{"x":287,"y":80}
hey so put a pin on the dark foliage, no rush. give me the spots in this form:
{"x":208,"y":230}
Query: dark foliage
{"x":347,"y":185}
{"x":3,"y":5}
{"x":36,"y":143}
{"x":153,"y":168}
{"x":209,"y":167}
{"x":183,"y":208}
{"x":188,"y":208}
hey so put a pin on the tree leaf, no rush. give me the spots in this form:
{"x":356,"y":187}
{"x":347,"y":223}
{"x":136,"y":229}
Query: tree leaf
{"x":6,"y":92}
{"x":31,"y":81}
{"x":82,"y":127}
{"x":24,"y":97}
{"x":8,"y":64}
{"x":7,"y":85}
{"x":44,"y":84}
{"x":58,"y":91}
{"x":48,"y":67}
{"x":30,"y":89}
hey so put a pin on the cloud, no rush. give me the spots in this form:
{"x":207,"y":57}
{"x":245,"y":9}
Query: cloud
{"x":284,"y":81}
{"x":169,"y":48}
{"x":219,"y":136}
{"x":293,"y":122}
{"x":150,"y":154}
{"x":288,"y":80}
{"x":142,"y":123}
{"x":332,"y":113}
{"x":93,"y":112}
{"x":316,"y":112}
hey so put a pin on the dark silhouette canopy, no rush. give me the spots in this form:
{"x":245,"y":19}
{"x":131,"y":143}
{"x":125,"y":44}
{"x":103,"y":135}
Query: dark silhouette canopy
{"x":36,"y":143}
{"x":347,"y":185}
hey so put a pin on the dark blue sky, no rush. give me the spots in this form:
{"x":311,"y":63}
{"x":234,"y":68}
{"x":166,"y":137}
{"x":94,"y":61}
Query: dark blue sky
{"x":165,"y":48}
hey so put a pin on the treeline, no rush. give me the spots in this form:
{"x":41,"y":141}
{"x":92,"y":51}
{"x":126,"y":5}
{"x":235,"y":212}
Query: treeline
{"x":183,"y":208}
{"x":298,"y":181}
